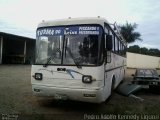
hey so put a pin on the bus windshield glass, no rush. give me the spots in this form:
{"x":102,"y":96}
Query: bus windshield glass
{"x":69,"y":45}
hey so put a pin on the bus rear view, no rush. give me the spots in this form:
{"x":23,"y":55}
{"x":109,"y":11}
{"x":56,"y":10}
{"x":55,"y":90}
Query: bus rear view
{"x":69,"y":60}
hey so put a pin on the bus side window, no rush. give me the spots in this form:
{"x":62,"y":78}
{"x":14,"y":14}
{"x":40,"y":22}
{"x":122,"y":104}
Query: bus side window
{"x":123,"y":52}
{"x":116,"y":45}
{"x":113,"y":43}
{"x":110,"y":33}
{"x":121,"y":49}
{"x":119,"y":46}
{"x":113,"y":46}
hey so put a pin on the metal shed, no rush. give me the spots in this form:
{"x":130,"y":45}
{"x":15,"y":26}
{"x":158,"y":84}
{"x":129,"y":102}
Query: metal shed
{"x":16,"y":49}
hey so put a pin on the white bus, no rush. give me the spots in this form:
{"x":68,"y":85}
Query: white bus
{"x":79,"y":59}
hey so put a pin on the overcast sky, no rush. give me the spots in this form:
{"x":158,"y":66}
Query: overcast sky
{"x":21,"y":17}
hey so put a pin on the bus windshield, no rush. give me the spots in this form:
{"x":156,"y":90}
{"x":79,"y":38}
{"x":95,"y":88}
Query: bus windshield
{"x":69,"y":45}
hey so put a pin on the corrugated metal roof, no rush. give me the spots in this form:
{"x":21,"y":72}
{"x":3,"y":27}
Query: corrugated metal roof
{"x":15,"y":37}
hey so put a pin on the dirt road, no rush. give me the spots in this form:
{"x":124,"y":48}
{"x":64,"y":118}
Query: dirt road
{"x":16,"y":99}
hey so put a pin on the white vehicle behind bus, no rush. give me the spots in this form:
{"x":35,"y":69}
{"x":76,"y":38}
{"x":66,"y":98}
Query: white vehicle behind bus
{"x":78,"y":59}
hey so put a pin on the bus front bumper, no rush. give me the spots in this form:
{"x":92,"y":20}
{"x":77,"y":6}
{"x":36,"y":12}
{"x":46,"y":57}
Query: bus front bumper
{"x":86,"y":95}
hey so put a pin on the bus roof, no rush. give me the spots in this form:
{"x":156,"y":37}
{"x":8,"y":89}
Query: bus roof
{"x":73,"y":21}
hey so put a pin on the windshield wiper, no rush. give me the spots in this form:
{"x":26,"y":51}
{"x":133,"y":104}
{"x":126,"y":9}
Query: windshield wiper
{"x":75,"y":61}
{"x":58,"y":50}
{"x":51,"y":57}
{"x":48,"y":60}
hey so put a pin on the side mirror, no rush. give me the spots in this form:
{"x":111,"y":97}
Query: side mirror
{"x":108,"y":42}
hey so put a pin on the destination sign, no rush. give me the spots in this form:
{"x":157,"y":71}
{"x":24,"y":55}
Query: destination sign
{"x":72,"y":30}
{"x":50,"y":31}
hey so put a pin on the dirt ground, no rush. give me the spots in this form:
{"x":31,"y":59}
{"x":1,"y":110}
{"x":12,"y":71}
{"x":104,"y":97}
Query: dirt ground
{"x":17,"y":101}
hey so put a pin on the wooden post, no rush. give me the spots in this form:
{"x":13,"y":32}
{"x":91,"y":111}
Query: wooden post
{"x":24,"y":52}
{"x":1,"y":50}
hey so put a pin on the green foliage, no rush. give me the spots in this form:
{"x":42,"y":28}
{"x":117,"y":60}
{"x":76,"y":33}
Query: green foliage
{"x":154,"y":52}
{"x":143,"y":50}
{"x":128,"y":32}
{"x":134,"y":49}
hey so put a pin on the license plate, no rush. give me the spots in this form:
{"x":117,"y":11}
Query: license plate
{"x":60,"y":97}
{"x":154,"y":83}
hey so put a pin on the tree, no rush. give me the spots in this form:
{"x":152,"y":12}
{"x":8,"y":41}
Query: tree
{"x":134,"y":49}
{"x":144,"y":51}
{"x":154,"y":52}
{"x":128,"y":32}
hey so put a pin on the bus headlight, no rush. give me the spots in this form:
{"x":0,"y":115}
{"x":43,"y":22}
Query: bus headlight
{"x":38,"y":76}
{"x":86,"y":78}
